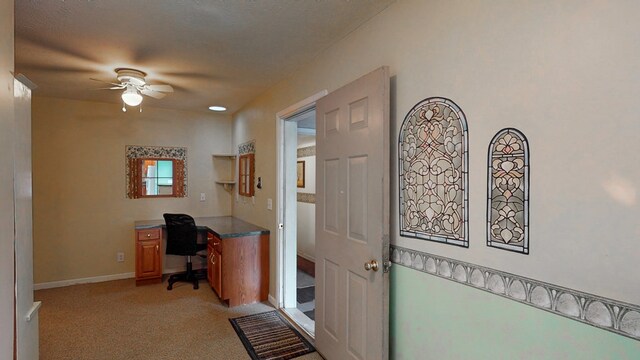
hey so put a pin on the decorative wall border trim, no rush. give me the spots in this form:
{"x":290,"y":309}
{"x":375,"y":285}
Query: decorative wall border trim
{"x":307,"y":198}
{"x":307,"y":151}
{"x":607,"y":314}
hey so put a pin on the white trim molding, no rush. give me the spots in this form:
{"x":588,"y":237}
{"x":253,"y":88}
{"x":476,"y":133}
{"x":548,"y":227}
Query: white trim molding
{"x":88,"y":280}
{"x":607,"y":314}
{"x":273,"y":301}
{"x":281,"y":116}
{"x":33,"y":311}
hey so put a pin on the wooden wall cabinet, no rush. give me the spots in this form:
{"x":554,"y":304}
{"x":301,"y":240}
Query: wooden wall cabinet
{"x":239,"y":268}
{"x":246,"y":171}
{"x":148,"y":256}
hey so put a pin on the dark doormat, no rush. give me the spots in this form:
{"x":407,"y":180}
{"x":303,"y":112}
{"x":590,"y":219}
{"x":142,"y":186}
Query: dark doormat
{"x":306,"y":294}
{"x":269,"y":336}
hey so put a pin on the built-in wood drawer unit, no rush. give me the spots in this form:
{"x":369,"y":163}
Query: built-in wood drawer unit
{"x":148,"y":234}
{"x":216,"y":243}
{"x":240,"y":268}
{"x":237,"y":263}
{"x":148,"y":256}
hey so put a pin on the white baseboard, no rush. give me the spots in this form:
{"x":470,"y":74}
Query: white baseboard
{"x":273,"y":301}
{"x":95,"y":279}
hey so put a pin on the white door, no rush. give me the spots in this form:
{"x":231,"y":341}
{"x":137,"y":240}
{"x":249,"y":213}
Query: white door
{"x":352,"y":219}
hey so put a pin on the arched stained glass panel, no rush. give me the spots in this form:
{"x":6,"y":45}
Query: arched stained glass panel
{"x":432,"y":150}
{"x":508,"y":192}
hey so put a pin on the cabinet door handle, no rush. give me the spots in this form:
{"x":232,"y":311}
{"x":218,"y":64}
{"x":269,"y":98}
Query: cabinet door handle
{"x":157,"y":247}
{"x":149,"y":235}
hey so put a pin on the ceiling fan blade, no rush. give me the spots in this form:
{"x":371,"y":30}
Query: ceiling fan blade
{"x":153,"y":94}
{"x":161,"y":88}
{"x":108,"y":82}
{"x":111,"y":88}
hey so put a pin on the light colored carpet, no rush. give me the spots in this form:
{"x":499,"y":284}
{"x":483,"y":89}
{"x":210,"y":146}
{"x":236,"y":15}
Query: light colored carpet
{"x":117,"y":320}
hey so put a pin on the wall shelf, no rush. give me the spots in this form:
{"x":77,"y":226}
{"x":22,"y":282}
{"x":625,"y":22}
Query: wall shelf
{"x":225,"y":156}
{"x":227,"y":184}
{"x":226,"y":161}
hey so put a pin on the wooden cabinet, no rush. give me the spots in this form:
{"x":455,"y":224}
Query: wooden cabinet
{"x":216,"y":272}
{"x":239,"y":268}
{"x":246,"y":170}
{"x":237,"y":262}
{"x":148,"y":256}
{"x":214,"y":268}
{"x":210,"y":264}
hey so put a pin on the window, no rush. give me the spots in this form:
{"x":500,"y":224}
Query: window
{"x":156,"y":177}
{"x":508,"y":192}
{"x":245,"y":174}
{"x":156,"y":171}
{"x":433,"y":173}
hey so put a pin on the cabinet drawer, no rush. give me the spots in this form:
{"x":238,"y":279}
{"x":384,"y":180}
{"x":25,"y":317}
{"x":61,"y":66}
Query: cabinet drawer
{"x":148,"y":234}
{"x":215,"y":242}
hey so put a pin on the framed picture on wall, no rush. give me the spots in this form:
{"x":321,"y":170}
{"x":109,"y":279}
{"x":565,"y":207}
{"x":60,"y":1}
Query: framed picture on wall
{"x":300,"y":172}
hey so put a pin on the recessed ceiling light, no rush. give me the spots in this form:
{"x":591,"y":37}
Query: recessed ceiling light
{"x":217,"y":108}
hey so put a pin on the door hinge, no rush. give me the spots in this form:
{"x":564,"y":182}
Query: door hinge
{"x":386,"y":265}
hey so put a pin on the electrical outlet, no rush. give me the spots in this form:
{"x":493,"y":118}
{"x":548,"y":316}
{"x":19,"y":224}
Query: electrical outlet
{"x":269,"y":204}
{"x":120,"y":256}
{"x":203,"y":197}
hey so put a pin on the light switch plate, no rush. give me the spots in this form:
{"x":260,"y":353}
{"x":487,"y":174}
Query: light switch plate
{"x":203,"y":197}
{"x":269,"y":204}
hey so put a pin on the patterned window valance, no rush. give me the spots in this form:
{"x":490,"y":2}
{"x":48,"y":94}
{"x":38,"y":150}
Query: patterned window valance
{"x":433,"y":163}
{"x":134,"y":156}
{"x":247,"y":148}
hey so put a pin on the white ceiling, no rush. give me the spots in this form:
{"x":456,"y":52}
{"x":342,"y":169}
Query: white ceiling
{"x":212,"y":52}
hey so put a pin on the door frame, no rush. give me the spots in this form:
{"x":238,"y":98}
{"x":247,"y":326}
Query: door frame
{"x":281,"y":117}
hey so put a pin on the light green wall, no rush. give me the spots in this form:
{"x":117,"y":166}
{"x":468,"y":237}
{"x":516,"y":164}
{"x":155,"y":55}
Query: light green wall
{"x":435,"y":318}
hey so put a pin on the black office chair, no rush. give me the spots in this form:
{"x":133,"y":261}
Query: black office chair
{"x":182,"y":239}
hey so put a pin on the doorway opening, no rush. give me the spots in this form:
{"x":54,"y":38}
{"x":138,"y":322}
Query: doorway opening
{"x":296,"y":194}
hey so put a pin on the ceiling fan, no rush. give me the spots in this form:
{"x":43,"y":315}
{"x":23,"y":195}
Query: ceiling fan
{"x":133,"y":83}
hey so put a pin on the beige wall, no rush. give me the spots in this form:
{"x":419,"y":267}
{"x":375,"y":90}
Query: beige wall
{"x":563,"y":72}
{"x":6,"y":180}
{"x":81,"y":215}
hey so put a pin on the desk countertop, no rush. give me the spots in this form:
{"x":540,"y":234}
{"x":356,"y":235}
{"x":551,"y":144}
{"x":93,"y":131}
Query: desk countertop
{"x":222,"y":226}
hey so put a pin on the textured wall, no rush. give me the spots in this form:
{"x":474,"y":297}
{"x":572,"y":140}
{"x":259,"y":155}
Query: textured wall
{"x":564,"y":73}
{"x":81,"y":215}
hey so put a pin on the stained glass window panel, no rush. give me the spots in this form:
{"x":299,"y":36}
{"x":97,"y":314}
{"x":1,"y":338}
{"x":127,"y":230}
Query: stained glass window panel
{"x":433,"y":175}
{"x":508,"y":192}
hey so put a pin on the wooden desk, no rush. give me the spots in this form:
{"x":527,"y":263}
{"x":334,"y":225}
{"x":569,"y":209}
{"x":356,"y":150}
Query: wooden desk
{"x":237,"y":262}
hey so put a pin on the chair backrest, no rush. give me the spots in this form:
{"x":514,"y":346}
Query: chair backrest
{"x":182,"y":234}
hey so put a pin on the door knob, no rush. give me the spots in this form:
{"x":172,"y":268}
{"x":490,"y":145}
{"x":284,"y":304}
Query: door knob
{"x":371,"y":265}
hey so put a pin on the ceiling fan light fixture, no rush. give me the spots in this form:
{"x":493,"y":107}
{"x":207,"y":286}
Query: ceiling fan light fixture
{"x":131,"y":97}
{"x":217,"y":108}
